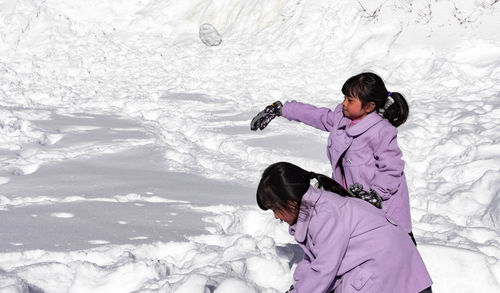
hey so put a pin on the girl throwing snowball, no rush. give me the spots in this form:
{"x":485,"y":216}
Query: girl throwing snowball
{"x":348,"y":245}
{"x":362,"y":146}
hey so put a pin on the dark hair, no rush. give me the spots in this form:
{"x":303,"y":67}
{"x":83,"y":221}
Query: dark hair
{"x":369,"y":87}
{"x":284,"y":182}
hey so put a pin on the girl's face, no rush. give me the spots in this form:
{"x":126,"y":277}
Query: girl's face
{"x":287,"y":215}
{"x":354,"y":109}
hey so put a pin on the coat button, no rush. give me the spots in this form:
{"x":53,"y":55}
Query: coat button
{"x":358,"y":284}
{"x":348,"y":161}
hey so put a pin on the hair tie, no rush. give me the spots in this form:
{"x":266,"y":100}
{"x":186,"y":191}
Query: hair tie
{"x":388,"y":102}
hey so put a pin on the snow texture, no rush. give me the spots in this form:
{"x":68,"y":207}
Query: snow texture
{"x":127,"y":163}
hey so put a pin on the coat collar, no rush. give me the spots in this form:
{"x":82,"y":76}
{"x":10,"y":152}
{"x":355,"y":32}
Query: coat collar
{"x":299,"y":229}
{"x":362,"y":126}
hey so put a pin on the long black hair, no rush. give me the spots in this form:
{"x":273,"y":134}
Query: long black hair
{"x":369,"y":87}
{"x":284,"y":182}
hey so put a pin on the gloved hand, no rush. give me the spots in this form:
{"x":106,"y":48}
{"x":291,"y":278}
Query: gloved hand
{"x":356,"y":190}
{"x":265,"y":116}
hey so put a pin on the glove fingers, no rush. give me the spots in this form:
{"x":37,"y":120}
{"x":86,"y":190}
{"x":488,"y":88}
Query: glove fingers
{"x":261,"y":120}
{"x":265,"y":116}
{"x":256,"y":121}
{"x":356,"y":190}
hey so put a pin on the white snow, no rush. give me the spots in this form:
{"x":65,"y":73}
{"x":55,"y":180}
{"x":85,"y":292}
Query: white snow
{"x":127,"y":163}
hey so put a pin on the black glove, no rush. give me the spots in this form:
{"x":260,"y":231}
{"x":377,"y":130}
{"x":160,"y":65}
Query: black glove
{"x":356,"y":190}
{"x":265,"y":116}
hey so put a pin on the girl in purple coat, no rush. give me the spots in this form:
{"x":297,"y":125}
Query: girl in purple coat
{"x":348,"y":245}
{"x":362,"y":146}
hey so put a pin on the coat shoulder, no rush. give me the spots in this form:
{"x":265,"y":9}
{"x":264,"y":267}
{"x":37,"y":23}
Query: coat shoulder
{"x":381,"y":131}
{"x":330,"y":202}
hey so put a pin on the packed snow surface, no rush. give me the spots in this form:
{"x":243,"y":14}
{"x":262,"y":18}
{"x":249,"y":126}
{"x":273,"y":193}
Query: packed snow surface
{"x":127,"y":163}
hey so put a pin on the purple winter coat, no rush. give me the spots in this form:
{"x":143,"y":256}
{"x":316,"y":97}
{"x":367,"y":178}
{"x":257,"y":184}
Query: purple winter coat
{"x":351,"y":247}
{"x":369,"y":152}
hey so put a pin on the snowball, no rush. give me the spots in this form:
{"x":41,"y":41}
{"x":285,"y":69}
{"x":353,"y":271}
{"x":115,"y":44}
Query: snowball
{"x":193,"y":284}
{"x":209,"y":35}
{"x":267,"y":272}
{"x":234,"y":285}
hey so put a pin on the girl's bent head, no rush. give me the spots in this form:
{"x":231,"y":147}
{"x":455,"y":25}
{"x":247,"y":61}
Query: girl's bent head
{"x":369,"y":88}
{"x":283,"y":185}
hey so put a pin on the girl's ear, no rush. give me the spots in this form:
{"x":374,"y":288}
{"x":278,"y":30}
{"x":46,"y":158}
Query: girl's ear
{"x":369,"y":107}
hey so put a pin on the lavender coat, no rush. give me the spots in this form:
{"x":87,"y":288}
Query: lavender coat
{"x":368,"y":152}
{"x":350,"y":246}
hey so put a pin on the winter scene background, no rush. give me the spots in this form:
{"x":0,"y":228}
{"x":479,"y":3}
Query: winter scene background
{"x":127,"y":163}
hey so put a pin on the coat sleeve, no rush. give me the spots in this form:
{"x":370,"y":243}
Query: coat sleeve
{"x":390,"y":165}
{"x":303,"y":266}
{"x":320,"y":118}
{"x":330,"y":236}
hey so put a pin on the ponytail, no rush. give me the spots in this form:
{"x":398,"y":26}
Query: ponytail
{"x":397,"y":113}
{"x":328,"y":184}
{"x":356,"y":190}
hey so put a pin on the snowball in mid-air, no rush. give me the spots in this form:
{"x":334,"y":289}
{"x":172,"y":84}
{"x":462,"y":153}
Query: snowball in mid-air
{"x":209,"y":35}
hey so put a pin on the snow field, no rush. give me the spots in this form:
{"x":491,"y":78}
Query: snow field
{"x":143,"y":60}
{"x":219,"y":260}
